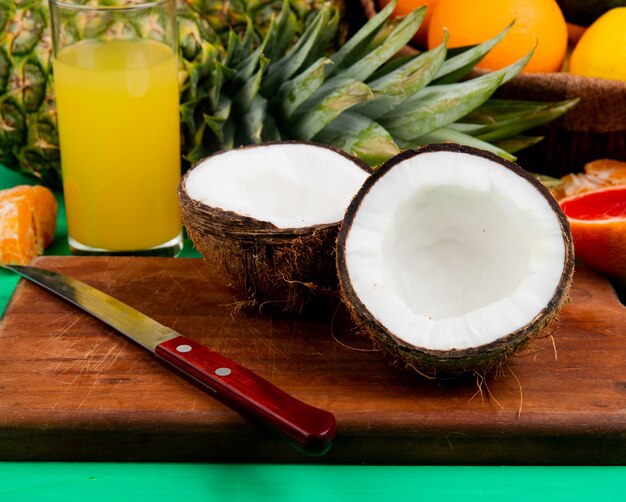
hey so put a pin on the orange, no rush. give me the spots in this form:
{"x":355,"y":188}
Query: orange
{"x":598,"y":174}
{"x":27,"y":223}
{"x":538,"y":23}
{"x":601,"y":50}
{"x":598,"y":223}
{"x":405,"y":7}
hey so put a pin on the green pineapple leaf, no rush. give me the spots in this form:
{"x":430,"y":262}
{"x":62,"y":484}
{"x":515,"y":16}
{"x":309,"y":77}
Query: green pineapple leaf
{"x":398,"y":38}
{"x":359,"y":136}
{"x":446,"y":135}
{"x":514,"y":144}
{"x":286,"y":67}
{"x":235,"y":49}
{"x":396,"y":86}
{"x":248,"y":65}
{"x":281,"y":33}
{"x":221,"y":76}
{"x":296,"y":91}
{"x":459,"y":65}
{"x":317,"y":113}
{"x":251,"y":125}
{"x":327,"y":35}
{"x":437,"y":106}
{"x":363,"y":35}
{"x":497,"y":110}
{"x":515,"y":125}
{"x":243,"y":98}
{"x":494,"y":113}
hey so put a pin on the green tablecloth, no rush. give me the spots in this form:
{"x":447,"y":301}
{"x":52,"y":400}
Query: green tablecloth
{"x":45,"y":481}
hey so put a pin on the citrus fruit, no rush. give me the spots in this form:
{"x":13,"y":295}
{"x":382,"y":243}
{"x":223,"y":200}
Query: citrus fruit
{"x":538,"y":23}
{"x":27,"y":223}
{"x":598,"y":174}
{"x":405,"y":7}
{"x":598,"y":224}
{"x":608,"y":169}
{"x":601,"y":51}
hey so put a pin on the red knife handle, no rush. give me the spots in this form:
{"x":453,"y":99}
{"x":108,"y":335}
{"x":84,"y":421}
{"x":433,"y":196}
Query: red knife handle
{"x":309,"y":428}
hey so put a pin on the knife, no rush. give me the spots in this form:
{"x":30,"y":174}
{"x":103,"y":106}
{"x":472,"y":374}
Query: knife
{"x":309,"y":429}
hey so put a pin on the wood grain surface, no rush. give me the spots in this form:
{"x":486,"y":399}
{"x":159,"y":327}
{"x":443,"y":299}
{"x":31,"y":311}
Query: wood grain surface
{"x":73,"y":389}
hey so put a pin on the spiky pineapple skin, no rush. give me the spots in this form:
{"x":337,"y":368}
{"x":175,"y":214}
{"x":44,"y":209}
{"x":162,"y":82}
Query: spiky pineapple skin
{"x":28,"y":133}
{"x":234,"y":14}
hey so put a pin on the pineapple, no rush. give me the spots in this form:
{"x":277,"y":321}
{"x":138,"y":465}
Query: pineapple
{"x":276,"y":76}
{"x":28,"y":130}
{"x":234,"y":14}
{"x":360,"y":98}
{"x":28,"y":134}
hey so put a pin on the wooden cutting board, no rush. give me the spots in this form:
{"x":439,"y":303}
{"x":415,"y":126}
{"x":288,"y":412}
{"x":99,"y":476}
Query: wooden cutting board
{"x":73,"y":389}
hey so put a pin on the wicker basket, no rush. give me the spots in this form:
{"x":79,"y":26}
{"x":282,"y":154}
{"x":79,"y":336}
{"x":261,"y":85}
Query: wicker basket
{"x":595,"y":128}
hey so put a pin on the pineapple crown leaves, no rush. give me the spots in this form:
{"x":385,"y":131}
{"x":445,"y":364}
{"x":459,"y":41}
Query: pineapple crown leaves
{"x":361,"y":98}
{"x":257,"y":70}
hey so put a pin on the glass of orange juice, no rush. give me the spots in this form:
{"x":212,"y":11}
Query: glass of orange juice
{"x":115,"y":75}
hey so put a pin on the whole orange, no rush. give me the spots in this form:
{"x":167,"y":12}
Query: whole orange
{"x":601,"y":51}
{"x":538,"y":23}
{"x":597,"y":221}
{"x":404,"y":7}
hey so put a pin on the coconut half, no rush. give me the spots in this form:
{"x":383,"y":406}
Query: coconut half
{"x":268,"y":217}
{"x":452,"y":258}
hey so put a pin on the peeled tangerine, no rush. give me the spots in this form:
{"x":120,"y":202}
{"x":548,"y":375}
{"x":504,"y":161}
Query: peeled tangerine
{"x":452,"y":258}
{"x":28,"y":217}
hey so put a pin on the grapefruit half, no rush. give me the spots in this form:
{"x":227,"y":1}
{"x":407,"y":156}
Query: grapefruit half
{"x":598,"y":224}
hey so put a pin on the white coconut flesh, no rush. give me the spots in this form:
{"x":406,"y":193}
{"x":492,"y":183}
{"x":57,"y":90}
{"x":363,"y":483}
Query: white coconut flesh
{"x":288,"y":185}
{"x":450,"y":250}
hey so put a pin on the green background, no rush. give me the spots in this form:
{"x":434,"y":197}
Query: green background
{"x":53,"y":481}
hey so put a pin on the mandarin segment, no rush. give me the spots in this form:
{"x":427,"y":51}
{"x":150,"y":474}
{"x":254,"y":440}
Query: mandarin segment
{"x":18,"y":244}
{"x":27,"y":223}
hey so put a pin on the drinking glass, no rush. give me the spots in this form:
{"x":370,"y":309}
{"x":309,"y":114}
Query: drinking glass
{"x":115,"y":75}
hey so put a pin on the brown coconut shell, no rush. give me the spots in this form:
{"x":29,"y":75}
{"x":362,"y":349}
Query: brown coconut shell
{"x":595,"y":128}
{"x":437,"y":364}
{"x":289,"y":269}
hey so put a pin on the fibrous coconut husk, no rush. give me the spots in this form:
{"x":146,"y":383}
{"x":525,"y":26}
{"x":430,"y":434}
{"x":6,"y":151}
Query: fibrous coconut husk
{"x":283,"y":268}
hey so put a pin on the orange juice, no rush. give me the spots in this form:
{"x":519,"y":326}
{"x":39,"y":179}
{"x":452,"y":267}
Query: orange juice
{"x":118,"y":113}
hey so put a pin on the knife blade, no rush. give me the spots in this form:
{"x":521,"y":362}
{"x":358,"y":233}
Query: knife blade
{"x":307,"y":428}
